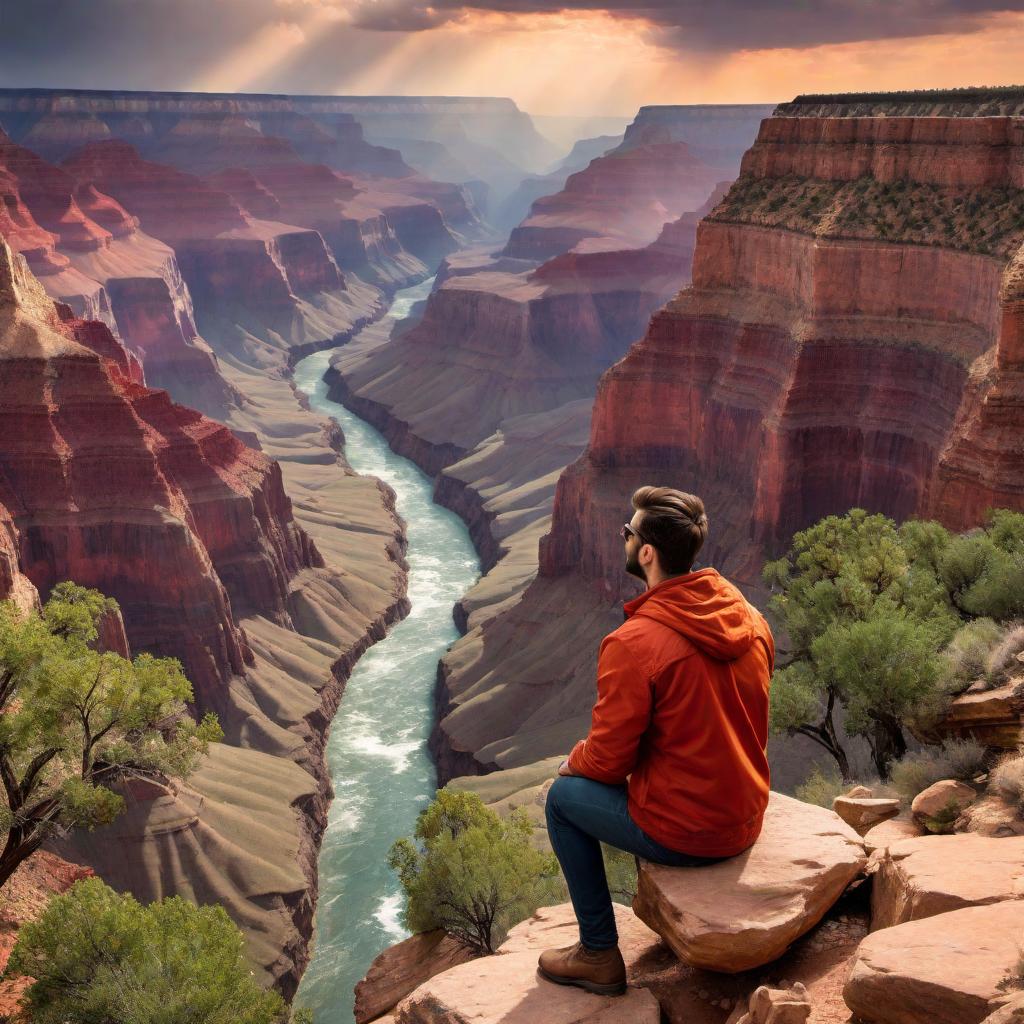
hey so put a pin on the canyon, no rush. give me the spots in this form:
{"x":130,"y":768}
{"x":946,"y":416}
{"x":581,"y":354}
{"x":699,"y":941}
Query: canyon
{"x":192,"y":532}
{"x":197,"y":248}
{"x":840,"y":325}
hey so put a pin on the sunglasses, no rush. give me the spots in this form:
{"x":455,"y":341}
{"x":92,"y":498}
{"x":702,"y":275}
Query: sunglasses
{"x":628,"y":531}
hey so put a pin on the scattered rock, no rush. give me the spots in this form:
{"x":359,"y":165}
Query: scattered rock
{"x":775,"y":1006}
{"x":892,"y":831}
{"x":857,"y":792}
{"x":938,"y":806}
{"x":863,"y":812}
{"x":942,"y":970}
{"x":745,"y":911}
{"x":922,"y":877}
{"x":402,"y":967}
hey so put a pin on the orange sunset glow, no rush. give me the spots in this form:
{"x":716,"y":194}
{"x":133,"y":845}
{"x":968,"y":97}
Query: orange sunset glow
{"x":596,"y":60}
{"x":589,"y":62}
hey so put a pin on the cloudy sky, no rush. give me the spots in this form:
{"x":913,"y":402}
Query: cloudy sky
{"x":557,"y":57}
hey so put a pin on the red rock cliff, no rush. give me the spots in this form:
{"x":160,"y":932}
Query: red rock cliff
{"x":109,"y":483}
{"x":845,"y":294}
{"x":93,"y":256}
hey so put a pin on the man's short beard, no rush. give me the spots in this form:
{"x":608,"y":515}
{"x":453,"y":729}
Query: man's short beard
{"x":634,"y":568}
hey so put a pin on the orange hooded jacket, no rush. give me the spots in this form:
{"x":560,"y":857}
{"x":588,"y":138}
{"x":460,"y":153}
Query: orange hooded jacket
{"x":682,"y":710}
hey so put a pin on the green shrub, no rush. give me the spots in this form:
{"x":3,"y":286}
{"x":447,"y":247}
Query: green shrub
{"x":960,"y":759}
{"x":473,"y":873}
{"x":97,"y":956}
{"x":74,"y":720}
{"x":886,"y":623}
{"x":1008,"y":780}
{"x":821,"y":787}
{"x":966,"y":657}
{"x":1002,"y":663}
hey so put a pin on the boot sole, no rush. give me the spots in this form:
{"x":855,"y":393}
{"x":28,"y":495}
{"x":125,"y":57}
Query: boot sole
{"x":598,"y":989}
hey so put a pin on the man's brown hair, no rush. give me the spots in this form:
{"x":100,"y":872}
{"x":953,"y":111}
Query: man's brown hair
{"x":675,"y":523}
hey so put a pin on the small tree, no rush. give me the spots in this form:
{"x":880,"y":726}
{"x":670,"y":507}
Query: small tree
{"x":73,"y":720}
{"x":475,"y":874}
{"x":885,"y":666}
{"x":97,"y":956}
{"x":833,"y":574}
{"x":868,"y":608}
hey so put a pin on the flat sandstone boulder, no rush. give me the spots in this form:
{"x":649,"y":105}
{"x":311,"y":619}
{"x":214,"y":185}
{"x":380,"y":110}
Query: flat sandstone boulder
{"x":919,"y":878}
{"x":941,"y":970}
{"x":862,"y":812}
{"x":745,"y":911}
{"x":1010,"y":1009}
{"x":506,"y":989}
{"x":553,"y":927}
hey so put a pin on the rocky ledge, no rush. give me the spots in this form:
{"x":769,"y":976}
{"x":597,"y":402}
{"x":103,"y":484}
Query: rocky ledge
{"x":801,"y":929}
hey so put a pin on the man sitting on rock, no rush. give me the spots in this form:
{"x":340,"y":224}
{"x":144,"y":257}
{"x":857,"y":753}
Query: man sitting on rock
{"x":674,"y":768}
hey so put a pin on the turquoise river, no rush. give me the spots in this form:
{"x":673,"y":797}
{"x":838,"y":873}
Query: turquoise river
{"x":377,"y":752}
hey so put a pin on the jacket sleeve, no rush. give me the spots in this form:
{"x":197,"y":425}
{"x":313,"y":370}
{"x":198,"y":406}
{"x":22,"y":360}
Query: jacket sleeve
{"x":619,"y":719}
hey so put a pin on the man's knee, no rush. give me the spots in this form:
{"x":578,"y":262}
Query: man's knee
{"x":565,"y":791}
{"x":556,"y":796}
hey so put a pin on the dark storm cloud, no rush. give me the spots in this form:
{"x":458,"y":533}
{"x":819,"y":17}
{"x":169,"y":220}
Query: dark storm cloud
{"x":721,"y":25}
{"x":162,"y":44}
{"x":168,"y":44}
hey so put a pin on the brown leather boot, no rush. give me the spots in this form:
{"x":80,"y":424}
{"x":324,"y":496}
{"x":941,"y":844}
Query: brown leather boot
{"x":600,"y":971}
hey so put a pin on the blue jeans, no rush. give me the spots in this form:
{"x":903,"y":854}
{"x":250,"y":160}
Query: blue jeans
{"x":582,"y":814}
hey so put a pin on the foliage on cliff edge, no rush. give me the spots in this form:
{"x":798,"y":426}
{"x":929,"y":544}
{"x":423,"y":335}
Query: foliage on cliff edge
{"x":73,"y":720}
{"x":890,"y":623}
{"x":473,"y":874}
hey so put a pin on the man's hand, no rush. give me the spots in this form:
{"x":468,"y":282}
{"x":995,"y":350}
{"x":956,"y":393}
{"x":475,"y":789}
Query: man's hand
{"x":564,"y":769}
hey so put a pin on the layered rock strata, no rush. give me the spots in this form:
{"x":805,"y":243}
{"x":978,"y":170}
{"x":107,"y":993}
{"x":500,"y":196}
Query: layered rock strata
{"x":667,"y":163}
{"x":95,"y":258}
{"x":185,"y":522}
{"x":499,"y":441}
{"x":205,"y":133}
{"x":523,"y":341}
{"x":516,"y":207}
{"x":719,"y":133}
{"x":262,"y":290}
{"x":193,"y":127}
{"x":621,"y":199}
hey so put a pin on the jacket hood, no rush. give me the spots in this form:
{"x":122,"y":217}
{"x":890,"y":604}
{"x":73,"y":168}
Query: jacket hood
{"x":704,"y":607}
